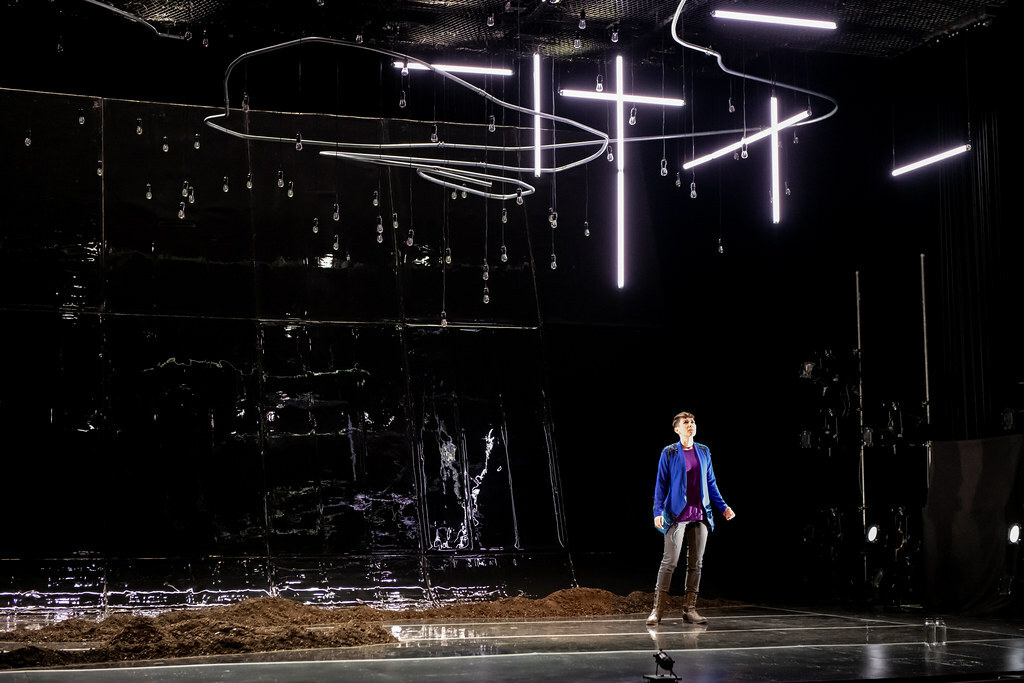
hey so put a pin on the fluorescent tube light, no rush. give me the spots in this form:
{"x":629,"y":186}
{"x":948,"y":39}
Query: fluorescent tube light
{"x":620,"y":176}
{"x":931,"y":160}
{"x":746,"y":141}
{"x":536,"y":119}
{"x":632,"y":99}
{"x":454,"y":68}
{"x":769,"y":19}
{"x":776,"y":197}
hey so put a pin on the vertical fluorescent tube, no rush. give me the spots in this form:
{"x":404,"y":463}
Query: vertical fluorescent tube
{"x":776,"y":197}
{"x":620,"y":176}
{"x":536,"y":119}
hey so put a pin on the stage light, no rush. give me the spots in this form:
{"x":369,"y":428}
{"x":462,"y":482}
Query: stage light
{"x":452,"y":68}
{"x":931,"y":160}
{"x":536,"y":119}
{"x":662,"y":661}
{"x":770,"y":19}
{"x":1013,"y":536}
{"x":743,"y":142}
{"x":872,"y":534}
{"x":776,"y":199}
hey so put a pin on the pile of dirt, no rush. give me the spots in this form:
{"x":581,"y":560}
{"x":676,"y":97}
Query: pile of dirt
{"x":266,"y":624}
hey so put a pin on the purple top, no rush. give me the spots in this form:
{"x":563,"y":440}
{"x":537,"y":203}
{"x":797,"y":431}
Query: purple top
{"x":694,"y":510}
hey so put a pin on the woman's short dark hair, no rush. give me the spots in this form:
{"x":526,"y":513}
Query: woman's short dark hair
{"x":681,"y":416}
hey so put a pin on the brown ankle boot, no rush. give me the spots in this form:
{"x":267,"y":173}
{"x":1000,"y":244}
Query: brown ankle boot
{"x":659,"y":607}
{"x":690,"y":613}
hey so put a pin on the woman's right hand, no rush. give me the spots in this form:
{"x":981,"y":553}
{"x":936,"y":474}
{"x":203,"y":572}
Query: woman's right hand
{"x":659,"y":522}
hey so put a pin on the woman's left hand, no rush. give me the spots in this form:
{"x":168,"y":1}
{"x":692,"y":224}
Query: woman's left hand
{"x":728,"y":514}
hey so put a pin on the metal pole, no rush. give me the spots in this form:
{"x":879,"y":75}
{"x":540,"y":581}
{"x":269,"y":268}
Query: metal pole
{"x":860,"y":415}
{"x":860,"y":409}
{"x":927,"y":390}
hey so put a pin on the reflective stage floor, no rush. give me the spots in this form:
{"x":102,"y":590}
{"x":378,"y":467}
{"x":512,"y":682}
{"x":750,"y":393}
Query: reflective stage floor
{"x":751,"y":643}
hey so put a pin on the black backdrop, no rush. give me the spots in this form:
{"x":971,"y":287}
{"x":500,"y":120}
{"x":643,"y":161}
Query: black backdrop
{"x":207,"y":407}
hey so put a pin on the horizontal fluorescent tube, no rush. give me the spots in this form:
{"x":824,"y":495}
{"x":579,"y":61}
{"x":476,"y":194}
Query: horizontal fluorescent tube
{"x":632,"y":99}
{"x":768,"y":19}
{"x":931,"y":160}
{"x":746,"y":141}
{"x":455,"y":69}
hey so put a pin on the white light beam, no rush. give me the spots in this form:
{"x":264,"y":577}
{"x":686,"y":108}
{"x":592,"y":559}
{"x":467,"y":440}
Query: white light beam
{"x":931,"y":160}
{"x":769,"y":19}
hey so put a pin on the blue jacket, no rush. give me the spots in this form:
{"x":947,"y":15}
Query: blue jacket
{"x":670,"y":487}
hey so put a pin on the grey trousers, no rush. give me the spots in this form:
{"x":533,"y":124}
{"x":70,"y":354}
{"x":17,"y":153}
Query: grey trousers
{"x":695,"y":536}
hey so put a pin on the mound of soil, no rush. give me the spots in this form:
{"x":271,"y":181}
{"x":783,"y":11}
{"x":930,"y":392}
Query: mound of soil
{"x":266,"y":624}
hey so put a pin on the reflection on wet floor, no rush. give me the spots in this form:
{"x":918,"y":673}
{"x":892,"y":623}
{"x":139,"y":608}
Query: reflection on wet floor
{"x":738,"y":644}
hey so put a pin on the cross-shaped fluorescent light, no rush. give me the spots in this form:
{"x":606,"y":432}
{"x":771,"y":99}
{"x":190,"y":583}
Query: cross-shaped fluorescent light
{"x":931,"y":160}
{"x":620,"y":98}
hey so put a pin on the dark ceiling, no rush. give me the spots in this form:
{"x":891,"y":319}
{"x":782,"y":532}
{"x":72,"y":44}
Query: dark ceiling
{"x":870,"y":28}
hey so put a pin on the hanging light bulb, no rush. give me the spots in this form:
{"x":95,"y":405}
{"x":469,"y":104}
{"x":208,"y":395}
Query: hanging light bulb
{"x":245,"y":101}
{"x":600,"y":83}
{"x":455,"y":194}
{"x":615,"y":35}
{"x":224,"y":187}
{"x":693,"y":190}
{"x":28,"y":137}
{"x":138,"y":126}
{"x":433,"y":135}
{"x":280,"y":178}
{"x":81,"y":117}
{"x":291,"y":188}
{"x":490,"y":125}
{"x":248,"y":181}
{"x":195,"y":143}
{"x":448,"y":255}
{"x":181,"y":210}
{"x":188,"y":35}
{"x":611,"y":155}
{"x":487,"y":296}
{"x":554,"y":262}
{"x":316,"y":225}
{"x":376,"y":198}
{"x":736,"y":155}
{"x":664,"y":167}
{"x":444,"y":319}
{"x":184,"y":189}
{"x":788,"y":191}
{"x":583,"y":20}
{"x":380,"y":226}
{"x":394,"y":220}
{"x":504,"y":254}
{"x":721,"y":247}
{"x":405,"y":68}
{"x":191,"y":195}
{"x":679,"y":180}
{"x":487,"y":271}
{"x":401,"y":100}
{"x":490,"y":20}
{"x":464,"y":193}
{"x":149,"y":191}
{"x":166,"y":146}
{"x":206,"y":40}
{"x":795,"y":138}
{"x":576,"y":43}
{"x":743,"y":152}
{"x":298,"y":142}
{"x":336,"y":215}
{"x":632,"y":116}
{"x":554,"y":220}
{"x":519,"y":195}
{"x":732,"y":107}
{"x":359,"y":37}
{"x":408,"y":240}
{"x":336,"y":244}
{"x":504,"y":215}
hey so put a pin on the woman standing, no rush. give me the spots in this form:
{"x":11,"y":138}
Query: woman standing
{"x":683,"y":494}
